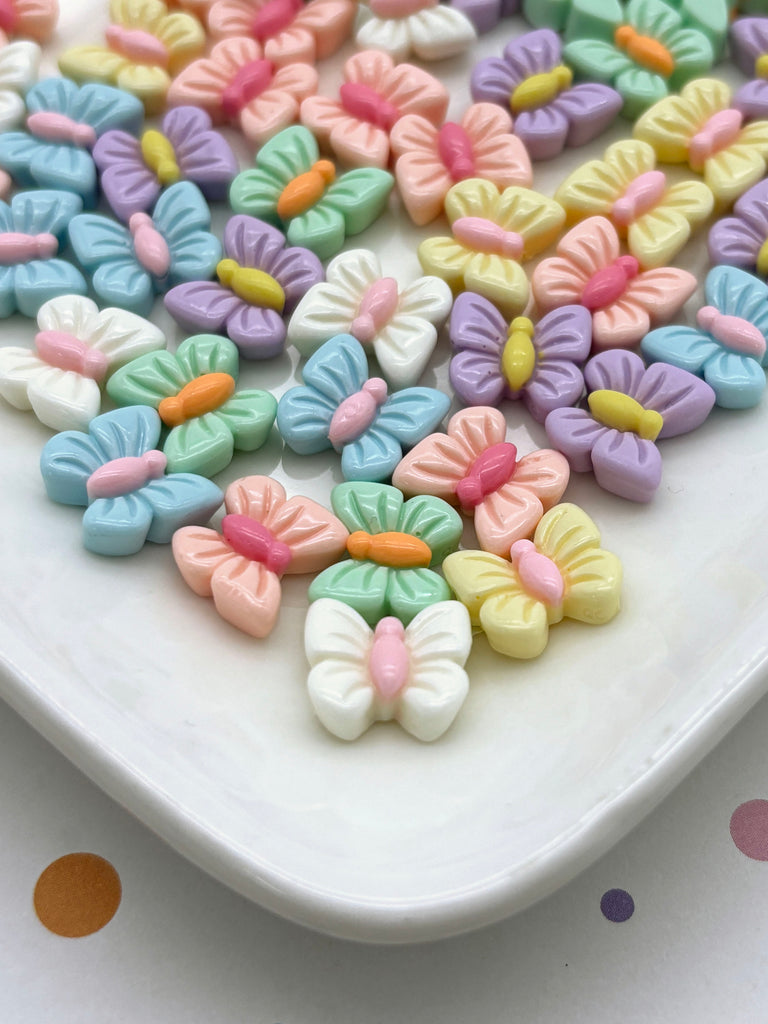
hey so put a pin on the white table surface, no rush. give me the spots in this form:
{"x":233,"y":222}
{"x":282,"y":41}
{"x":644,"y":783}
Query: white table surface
{"x":182,"y":948}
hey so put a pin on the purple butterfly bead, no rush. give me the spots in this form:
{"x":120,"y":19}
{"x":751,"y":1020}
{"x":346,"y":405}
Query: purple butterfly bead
{"x":624,"y":459}
{"x":248,"y":307}
{"x":133,"y":171}
{"x":575,"y":115}
{"x":486,"y":14}
{"x":740,"y":240}
{"x":489,"y":352}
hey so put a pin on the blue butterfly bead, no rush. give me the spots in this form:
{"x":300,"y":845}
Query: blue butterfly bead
{"x":116,"y":471}
{"x":130,"y":265}
{"x":32,"y":229}
{"x":728,"y":347}
{"x":63,"y":123}
{"x":339,"y":407}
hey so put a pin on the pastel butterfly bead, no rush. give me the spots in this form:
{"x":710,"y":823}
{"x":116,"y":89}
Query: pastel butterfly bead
{"x":134,"y":171}
{"x":727,"y":347}
{"x":195,"y":393}
{"x":702,"y":128}
{"x":624,"y":301}
{"x":33,"y":19}
{"x":496,"y":358}
{"x":292,"y":188}
{"x":749,"y":49}
{"x":431,"y":160}
{"x":399,"y":324}
{"x":264,"y":536}
{"x":375,"y":95}
{"x":562,"y":573}
{"x":474,"y":467}
{"x":550,"y":112}
{"x":63,"y":125}
{"x":644,"y":50}
{"x":629,"y":407}
{"x":493,"y":233}
{"x":19,"y":67}
{"x":259,"y":283}
{"x":117,"y":472}
{"x":426,"y":28}
{"x":394,"y":546}
{"x":340,"y":407}
{"x":33,"y":230}
{"x":742,"y":239}
{"x":146,"y":46}
{"x":76,"y":349}
{"x":290,"y":31}
{"x":413,"y":675}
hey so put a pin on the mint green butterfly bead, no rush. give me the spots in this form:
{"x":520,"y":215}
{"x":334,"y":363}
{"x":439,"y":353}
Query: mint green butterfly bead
{"x":293,"y":189}
{"x":393,"y":543}
{"x":194,"y":392}
{"x":643,"y":50}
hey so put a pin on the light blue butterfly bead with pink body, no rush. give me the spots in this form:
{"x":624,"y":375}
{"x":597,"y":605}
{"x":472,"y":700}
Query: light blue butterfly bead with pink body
{"x":117,"y":472}
{"x":340,"y":407}
{"x":728,"y":346}
{"x":131,"y":264}
{"x":64,"y":121}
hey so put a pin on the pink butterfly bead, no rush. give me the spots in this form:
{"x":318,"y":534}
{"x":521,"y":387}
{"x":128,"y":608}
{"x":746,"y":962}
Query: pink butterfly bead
{"x":430,"y":159}
{"x":624,"y":301}
{"x":290,"y":31}
{"x":237,"y":84}
{"x":475,"y":467}
{"x":375,"y":95}
{"x":264,"y":536}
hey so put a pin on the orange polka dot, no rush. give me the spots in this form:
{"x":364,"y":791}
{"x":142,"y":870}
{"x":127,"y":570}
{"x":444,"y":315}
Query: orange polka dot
{"x":77,"y":895}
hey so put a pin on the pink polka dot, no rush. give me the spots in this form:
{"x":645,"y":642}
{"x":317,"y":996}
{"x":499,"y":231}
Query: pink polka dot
{"x":749,"y":829}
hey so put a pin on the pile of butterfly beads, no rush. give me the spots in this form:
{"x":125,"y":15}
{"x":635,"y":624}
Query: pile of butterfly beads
{"x":393,"y":601}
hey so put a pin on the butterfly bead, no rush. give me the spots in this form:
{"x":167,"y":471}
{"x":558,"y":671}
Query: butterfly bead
{"x":399,"y":324}
{"x":19,"y":66}
{"x":146,"y":46}
{"x":475,"y":467}
{"x":131,"y":263}
{"x":430,"y":160}
{"x":64,"y":122}
{"x":260,"y":282}
{"x":562,"y":573}
{"x":749,"y":50}
{"x":411,"y":674}
{"x":394,"y":546}
{"x":293,"y":189}
{"x":700,"y":127}
{"x":31,"y":19}
{"x":425,"y":28}
{"x":133,"y":171}
{"x":624,"y":300}
{"x":550,"y":112}
{"x":728,"y":346}
{"x":290,"y":31}
{"x":742,"y":239}
{"x":340,"y":407}
{"x":235,"y":84}
{"x":493,"y":233}
{"x":264,"y":535}
{"x":629,"y":408}
{"x":118,"y":474}
{"x":496,"y":359}
{"x":656,"y":217}
{"x":195,"y":392}
{"x":375,"y":95}
{"x":77,"y":347}
{"x":32,"y":228}
{"x":643,"y":49}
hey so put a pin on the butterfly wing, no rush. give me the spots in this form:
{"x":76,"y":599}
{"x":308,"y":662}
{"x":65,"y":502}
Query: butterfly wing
{"x":198,"y":551}
{"x":117,"y":526}
{"x":179,"y":499}
{"x":361,"y":585}
{"x":247,"y":595}
{"x":337,"y":642}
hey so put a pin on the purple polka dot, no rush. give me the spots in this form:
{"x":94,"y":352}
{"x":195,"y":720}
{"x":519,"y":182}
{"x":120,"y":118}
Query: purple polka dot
{"x":749,"y":829}
{"x":617,"y":905}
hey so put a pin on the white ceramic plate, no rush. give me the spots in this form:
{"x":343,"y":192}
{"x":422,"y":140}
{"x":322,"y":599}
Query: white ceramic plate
{"x":208,"y":737}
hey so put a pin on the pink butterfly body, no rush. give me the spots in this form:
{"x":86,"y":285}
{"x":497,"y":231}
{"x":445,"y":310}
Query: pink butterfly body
{"x":473,"y":466}
{"x":624,"y":302}
{"x":264,"y":536}
{"x":430,"y":159}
